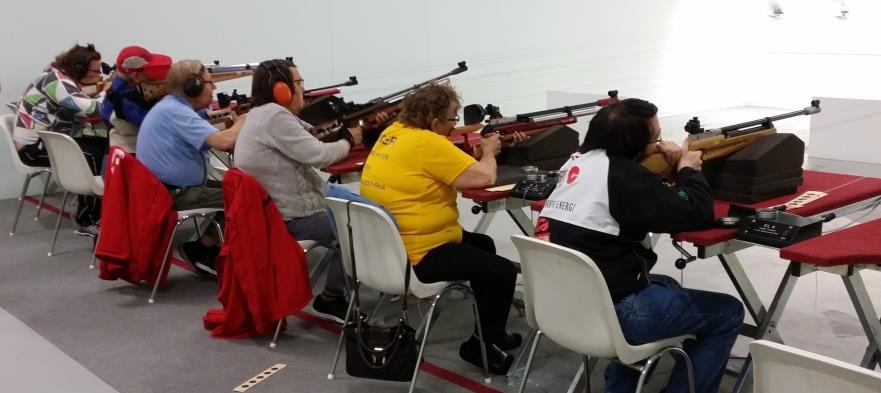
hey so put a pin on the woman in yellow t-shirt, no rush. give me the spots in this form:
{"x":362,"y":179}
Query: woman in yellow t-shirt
{"x":414,"y":171}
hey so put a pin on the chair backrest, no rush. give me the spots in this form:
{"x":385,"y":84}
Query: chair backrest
{"x":380,"y":257}
{"x":7,"y":125}
{"x":340,"y":218}
{"x":69,"y":166}
{"x":779,"y":368}
{"x":567,"y":297}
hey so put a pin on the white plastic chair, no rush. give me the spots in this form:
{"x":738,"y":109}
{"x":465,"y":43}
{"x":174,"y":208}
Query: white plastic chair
{"x":70,"y":170}
{"x":567,"y":300}
{"x":7,"y":125}
{"x":780,"y":368}
{"x":379,"y":258}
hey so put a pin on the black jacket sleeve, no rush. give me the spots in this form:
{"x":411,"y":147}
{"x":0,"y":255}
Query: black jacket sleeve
{"x":641,"y":201}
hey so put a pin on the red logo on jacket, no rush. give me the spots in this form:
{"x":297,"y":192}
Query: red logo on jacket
{"x":572,"y":174}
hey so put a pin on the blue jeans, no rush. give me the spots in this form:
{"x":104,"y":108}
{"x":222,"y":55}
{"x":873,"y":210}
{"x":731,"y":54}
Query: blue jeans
{"x":665,"y":309}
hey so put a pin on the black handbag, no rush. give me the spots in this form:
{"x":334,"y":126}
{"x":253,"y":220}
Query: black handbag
{"x":375,"y":352}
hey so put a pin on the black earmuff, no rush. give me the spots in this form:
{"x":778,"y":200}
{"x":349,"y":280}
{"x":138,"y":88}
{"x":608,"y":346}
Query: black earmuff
{"x":193,"y":86}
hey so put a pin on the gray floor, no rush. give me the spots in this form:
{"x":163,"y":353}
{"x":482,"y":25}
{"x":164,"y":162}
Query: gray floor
{"x":110,"y":330}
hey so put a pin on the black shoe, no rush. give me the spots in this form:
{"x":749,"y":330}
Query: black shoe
{"x":200,"y":257}
{"x":499,"y":361}
{"x":510,"y":341}
{"x":333,"y":309}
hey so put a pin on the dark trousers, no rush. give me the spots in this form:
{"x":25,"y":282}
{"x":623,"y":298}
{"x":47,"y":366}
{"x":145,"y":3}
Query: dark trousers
{"x":492,"y":277}
{"x":94,"y":149}
{"x":317,"y":227}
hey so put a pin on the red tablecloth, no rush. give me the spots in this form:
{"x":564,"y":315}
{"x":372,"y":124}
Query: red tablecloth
{"x":858,"y":244}
{"x":842,"y":189}
{"x":354,"y":162}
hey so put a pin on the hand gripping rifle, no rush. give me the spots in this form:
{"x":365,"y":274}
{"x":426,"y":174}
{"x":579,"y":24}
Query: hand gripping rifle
{"x":722,"y":142}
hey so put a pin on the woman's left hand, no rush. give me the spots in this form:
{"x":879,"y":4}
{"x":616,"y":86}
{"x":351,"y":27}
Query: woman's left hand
{"x":516,"y":138}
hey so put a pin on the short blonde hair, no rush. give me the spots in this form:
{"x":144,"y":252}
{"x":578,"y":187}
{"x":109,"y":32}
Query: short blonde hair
{"x":179,"y":73}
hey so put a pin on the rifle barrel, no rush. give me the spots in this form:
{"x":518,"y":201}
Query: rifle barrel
{"x":212,"y":68}
{"x":353,"y":80}
{"x":814,"y":108}
{"x":573,"y":111}
{"x":458,"y":70}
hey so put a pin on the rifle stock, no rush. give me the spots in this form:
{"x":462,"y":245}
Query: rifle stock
{"x":722,"y":142}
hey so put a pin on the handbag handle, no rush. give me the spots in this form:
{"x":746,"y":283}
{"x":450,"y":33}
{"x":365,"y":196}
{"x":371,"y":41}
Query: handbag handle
{"x":404,"y":320}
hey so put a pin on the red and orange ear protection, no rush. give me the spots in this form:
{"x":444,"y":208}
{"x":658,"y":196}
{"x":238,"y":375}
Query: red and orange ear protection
{"x":282,"y":93}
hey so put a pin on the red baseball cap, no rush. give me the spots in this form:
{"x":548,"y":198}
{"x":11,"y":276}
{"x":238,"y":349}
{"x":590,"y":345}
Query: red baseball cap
{"x":136,"y":58}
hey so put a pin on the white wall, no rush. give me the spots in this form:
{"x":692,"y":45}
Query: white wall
{"x":682,"y":54}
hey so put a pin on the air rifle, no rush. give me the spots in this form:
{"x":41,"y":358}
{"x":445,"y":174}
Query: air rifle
{"x":311,"y":94}
{"x":352,"y":115}
{"x":722,"y":142}
{"x":156,"y":89}
{"x":526,"y":123}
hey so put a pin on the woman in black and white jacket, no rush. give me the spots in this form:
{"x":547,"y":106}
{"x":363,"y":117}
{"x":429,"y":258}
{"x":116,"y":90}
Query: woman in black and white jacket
{"x":606,"y":204}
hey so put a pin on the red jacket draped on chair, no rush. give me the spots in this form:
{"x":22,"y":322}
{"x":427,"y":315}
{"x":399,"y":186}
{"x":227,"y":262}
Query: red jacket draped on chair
{"x":136,"y":221}
{"x":262,"y":269}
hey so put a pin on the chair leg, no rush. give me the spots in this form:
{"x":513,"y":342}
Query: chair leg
{"x":424,"y":340}
{"x":339,"y":344}
{"x":196,"y":225}
{"x":164,"y":263}
{"x":587,"y":374}
{"x":277,"y":331}
{"x":535,"y":339}
{"x":24,"y":191}
{"x":383,"y":298}
{"x":43,"y":195}
{"x":688,"y":367}
{"x":58,"y":222}
{"x":94,"y":247}
{"x":467,"y":291}
{"x":646,"y":369}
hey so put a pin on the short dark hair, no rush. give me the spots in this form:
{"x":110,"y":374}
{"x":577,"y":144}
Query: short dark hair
{"x":265,"y":76}
{"x":427,"y":103}
{"x":76,"y":60}
{"x":621,"y":129}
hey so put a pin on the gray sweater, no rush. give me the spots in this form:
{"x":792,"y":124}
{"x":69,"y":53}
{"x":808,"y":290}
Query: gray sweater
{"x":276,"y":148}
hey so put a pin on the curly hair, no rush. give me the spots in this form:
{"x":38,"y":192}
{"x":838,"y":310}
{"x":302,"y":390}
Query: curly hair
{"x":425,"y":104}
{"x":75,"y":61}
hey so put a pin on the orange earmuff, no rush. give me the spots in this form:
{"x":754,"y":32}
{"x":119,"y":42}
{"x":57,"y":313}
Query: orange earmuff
{"x":282,"y":94}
